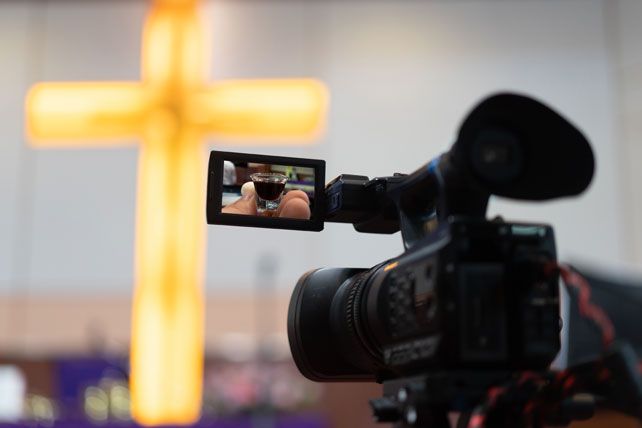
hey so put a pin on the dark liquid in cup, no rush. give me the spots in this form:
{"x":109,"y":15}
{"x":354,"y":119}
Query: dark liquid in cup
{"x":269,"y":191}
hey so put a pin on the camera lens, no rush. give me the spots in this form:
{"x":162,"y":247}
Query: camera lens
{"x":326,"y":328}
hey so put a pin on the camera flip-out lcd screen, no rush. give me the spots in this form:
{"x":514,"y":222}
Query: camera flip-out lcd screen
{"x":265,"y":191}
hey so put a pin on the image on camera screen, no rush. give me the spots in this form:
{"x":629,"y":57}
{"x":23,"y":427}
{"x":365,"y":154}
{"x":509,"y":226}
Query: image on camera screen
{"x":267,"y":190}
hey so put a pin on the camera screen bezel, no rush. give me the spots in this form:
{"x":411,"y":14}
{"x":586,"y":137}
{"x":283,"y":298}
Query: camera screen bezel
{"x":215,"y":192}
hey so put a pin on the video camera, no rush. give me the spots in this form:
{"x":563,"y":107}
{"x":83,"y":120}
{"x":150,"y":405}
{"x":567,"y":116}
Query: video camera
{"x":470,"y":305}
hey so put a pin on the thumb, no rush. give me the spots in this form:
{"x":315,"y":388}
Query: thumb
{"x":246,"y":204}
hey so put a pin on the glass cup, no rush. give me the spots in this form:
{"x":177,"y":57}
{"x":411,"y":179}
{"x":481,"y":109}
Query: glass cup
{"x":269,"y":190}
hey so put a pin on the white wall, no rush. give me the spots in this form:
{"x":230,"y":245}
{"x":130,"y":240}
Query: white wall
{"x":401,"y":74}
{"x":625,"y":42}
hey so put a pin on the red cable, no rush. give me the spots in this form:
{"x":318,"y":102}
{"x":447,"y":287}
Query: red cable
{"x":587,"y":308}
{"x":477,"y":421}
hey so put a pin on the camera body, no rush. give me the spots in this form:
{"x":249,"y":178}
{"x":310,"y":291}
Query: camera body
{"x":474,"y":295}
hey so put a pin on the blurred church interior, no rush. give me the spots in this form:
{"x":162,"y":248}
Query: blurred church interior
{"x":400,"y":75}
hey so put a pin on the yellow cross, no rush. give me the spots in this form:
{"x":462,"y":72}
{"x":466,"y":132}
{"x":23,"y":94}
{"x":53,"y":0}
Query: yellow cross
{"x":171,"y":110}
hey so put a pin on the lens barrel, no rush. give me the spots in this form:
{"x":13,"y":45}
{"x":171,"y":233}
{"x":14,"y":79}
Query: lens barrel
{"x":325,"y":327}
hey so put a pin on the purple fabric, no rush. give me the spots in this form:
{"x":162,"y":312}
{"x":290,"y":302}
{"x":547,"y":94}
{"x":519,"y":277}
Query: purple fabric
{"x":73,"y":375}
{"x":293,"y":421}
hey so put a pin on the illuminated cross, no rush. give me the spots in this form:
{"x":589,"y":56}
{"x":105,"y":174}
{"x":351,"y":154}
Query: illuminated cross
{"x":170,"y":111}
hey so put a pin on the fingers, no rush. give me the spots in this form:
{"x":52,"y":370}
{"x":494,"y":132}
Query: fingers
{"x":248,"y":188}
{"x":245,"y":205}
{"x":293,"y":194}
{"x":295,"y":208}
{"x":295,"y":204}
